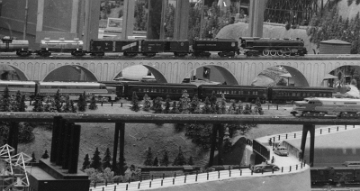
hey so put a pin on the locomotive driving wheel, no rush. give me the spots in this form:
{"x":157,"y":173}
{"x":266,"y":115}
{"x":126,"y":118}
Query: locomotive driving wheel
{"x":265,"y":52}
{"x":273,"y":52}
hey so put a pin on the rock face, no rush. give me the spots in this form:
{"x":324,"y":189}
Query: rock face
{"x":348,"y":91}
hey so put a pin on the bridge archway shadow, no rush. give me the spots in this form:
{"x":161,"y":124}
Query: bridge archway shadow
{"x":9,"y":72}
{"x":71,"y":73}
{"x":213,"y":73}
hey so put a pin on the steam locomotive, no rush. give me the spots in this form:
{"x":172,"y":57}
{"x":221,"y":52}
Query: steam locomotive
{"x":149,"y":48}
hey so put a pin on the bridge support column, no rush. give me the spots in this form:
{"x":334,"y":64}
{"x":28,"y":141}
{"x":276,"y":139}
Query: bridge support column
{"x":116,"y":142}
{"x":119,"y":130}
{"x":181,"y":25}
{"x":256,"y":18}
{"x":13,"y":135}
{"x":55,"y":142}
{"x":217,"y":128}
{"x":308,"y":128}
{"x":128,"y":19}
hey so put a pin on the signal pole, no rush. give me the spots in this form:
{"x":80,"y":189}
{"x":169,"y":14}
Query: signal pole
{"x":26,"y":18}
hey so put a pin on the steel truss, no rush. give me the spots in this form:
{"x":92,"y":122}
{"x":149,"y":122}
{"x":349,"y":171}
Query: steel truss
{"x":295,"y":12}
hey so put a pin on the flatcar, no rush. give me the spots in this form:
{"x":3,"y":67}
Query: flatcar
{"x":255,"y":46}
{"x":243,"y":93}
{"x":320,"y":107}
{"x":9,"y":44}
{"x":224,"y":47}
{"x":335,"y":176}
{"x":47,"y":46}
{"x":283,"y":94}
{"x":154,"y":90}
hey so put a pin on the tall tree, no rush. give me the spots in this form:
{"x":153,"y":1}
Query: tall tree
{"x":165,"y":159}
{"x":106,"y":160}
{"x":149,"y":157}
{"x":57,"y":99}
{"x":96,"y":160}
{"x":180,"y":159}
{"x":86,"y":163}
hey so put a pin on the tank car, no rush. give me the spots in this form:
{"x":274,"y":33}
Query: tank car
{"x":9,"y":44}
{"x":255,"y":46}
{"x":320,"y":107}
{"x":224,"y":47}
{"x":75,"y":47}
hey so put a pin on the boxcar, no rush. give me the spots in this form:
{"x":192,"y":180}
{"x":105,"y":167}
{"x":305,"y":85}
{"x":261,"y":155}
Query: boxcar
{"x":154,"y":90}
{"x":127,"y":47}
{"x":152,"y":47}
{"x":243,"y":93}
{"x":224,"y":47}
{"x":284,"y":94}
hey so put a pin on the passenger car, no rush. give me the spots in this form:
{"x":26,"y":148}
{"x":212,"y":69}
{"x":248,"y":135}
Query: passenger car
{"x":264,"y":167}
{"x":281,"y":151}
{"x":351,"y":163}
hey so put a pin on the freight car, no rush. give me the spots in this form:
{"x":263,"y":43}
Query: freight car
{"x":320,"y":107}
{"x":134,"y":47}
{"x":32,"y":89}
{"x":335,"y":176}
{"x":47,"y":46}
{"x":254,"y":46}
{"x":224,"y":47}
{"x":9,"y":44}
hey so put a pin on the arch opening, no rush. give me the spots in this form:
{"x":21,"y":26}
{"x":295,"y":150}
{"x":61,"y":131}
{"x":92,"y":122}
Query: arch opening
{"x":71,"y":73}
{"x":141,"y":73}
{"x":8,"y":72}
{"x":211,"y":74}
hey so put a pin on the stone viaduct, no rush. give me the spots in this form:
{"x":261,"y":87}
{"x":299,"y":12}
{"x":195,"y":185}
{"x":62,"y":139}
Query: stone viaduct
{"x":305,"y":71}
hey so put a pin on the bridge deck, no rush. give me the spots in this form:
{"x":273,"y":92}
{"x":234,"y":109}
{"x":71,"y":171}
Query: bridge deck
{"x":169,"y":118}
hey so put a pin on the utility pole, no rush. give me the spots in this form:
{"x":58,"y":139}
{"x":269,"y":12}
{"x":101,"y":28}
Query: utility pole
{"x":26,"y":18}
{"x":163,"y":15}
{"x":201,"y":18}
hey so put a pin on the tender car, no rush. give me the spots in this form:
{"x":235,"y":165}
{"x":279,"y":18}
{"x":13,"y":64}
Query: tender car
{"x":281,"y":151}
{"x":264,"y":167}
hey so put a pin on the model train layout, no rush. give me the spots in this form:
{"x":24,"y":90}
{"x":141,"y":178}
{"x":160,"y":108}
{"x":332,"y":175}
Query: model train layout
{"x":249,"y":46}
{"x":335,"y":176}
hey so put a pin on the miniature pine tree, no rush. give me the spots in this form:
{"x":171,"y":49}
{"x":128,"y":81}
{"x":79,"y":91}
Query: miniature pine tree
{"x":156,"y":162}
{"x":213,"y":99}
{"x":73,"y":107}
{"x":180,"y":159}
{"x":45,"y":155}
{"x":67,"y":105}
{"x":86,"y":163}
{"x":18,"y":96}
{"x":147,"y":103}
{"x":82,"y":102}
{"x":157,"y":107}
{"x":38,"y":105}
{"x":135,"y":102}
{"x":232,"y":107}
{"x":5,"y":101}
{"x":190,"y":161}
{"x":33,"y":159}
{"x":93,"y":105}
{"x":95,"y":163}
{"x":194,"y":105}
{"x":149,"y":158}
{"x":174,"y":108}
{"x":184,"y":107}
{"x":167,"y":104}
{"x":106,"y":160}
{"x":165,"y":159}
{"x":57,"y":99}
{"x":22,"y":105}
{"x":207,"y":109}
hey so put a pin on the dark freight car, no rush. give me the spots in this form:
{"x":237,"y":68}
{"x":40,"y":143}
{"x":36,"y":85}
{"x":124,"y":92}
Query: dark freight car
{"x":128,"y":47}
{"x":243,"y":93}
{"x":283,"y":94}
{"x":152,"y":47}
{"x":335,"y":175}
{"x":224,"y":47}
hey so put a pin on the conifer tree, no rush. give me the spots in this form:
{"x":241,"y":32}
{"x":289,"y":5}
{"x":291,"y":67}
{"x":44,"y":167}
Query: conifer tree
{"x":45,"y":155}
{"x":38,"y":105}
{"x":96,"y":160}
{"x":82,"y":102}
{"x":190,"y":161}
{"x":207,"y":109}
{"x":157,"y":107}
{"x":149,"y":157}
{"x":22,"y":105}
{"x":174,"y":108}
{"x":184,"y":103}
{"x":147,"y":103}
{"x":73,"y":107}
{"x":165,"y":159}
{"x":167,"y":104}
{"x":57,"y":100}
{"x":86,"y":163}
{"x":195,"y":104}
{"x":180,"y":159}
{"x":67,"y":105}
{"x":106,"y":160}
{"x":93,"y":105}
{"x":5,"y":101}
{"x":135,"y":102}
{"x":156,"y":162}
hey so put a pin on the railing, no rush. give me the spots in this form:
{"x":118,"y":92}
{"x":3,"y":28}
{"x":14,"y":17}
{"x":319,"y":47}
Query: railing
{"x":195,"y":178}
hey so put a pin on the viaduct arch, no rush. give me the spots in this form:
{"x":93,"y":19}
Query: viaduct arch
{"x":305,"y":71}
